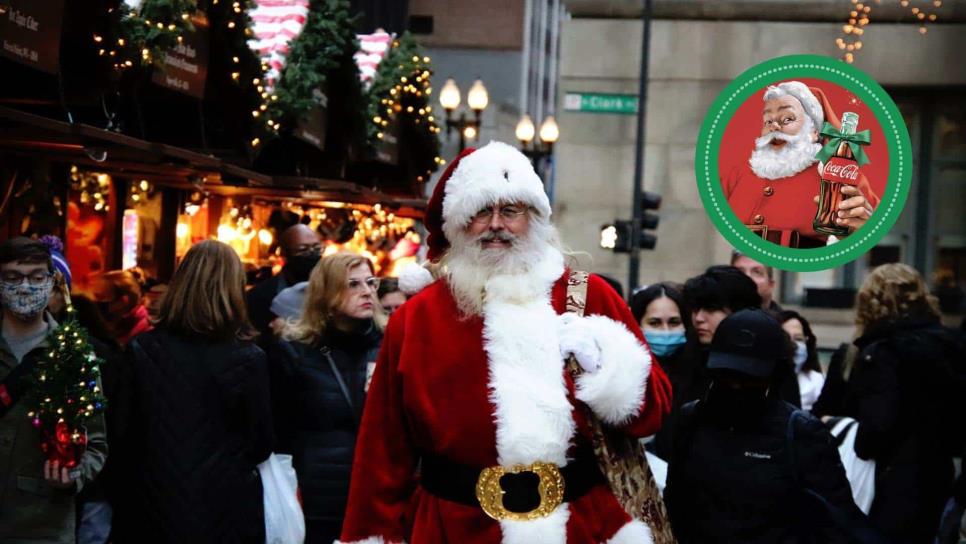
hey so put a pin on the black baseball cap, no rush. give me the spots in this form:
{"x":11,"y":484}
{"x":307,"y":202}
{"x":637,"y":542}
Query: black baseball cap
{"x":748,"y":341}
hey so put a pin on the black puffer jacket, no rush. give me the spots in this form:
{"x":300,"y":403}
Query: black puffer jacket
{"x":193,"y":420}
{"x":903,"y":393}
{"x":315,"y":420}
{"x":732,"y":481}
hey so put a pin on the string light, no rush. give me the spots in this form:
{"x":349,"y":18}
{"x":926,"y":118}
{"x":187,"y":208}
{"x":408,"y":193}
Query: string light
{"x":135,"y":46}
{"x":859,"y":18}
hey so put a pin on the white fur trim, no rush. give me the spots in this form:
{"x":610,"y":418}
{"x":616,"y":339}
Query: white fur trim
{"x":526,"y":382}
{"x":372,"y":540}
{"x":414,"y":278}
{"x":549,"y":530}
{"x":805,"y":96}
{"x":494,"y":173}
{"x":615,"y":392}
{"x":533,"y":415}
{"x":633,"y":532}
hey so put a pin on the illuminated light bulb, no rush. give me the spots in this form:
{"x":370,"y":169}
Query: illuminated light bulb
{"x":265,"y":237}
{"x":477,"y":98}
{"x":449,"y":97}
{"x":525,"y":130}
{"x":182,"y":231}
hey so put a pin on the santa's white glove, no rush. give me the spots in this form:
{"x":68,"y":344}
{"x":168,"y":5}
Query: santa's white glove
{"x":577,"y":339}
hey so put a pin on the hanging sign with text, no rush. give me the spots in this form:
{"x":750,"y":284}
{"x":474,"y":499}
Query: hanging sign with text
{"x":30,"y":31}
{"x":185,"y":66}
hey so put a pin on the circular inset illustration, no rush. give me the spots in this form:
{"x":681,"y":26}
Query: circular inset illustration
{"x":803,"y":162}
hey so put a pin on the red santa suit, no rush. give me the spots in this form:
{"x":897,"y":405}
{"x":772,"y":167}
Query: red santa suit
{"x":782,"y":210}
{"x":783,"y":205}
{"x":491,"y":389}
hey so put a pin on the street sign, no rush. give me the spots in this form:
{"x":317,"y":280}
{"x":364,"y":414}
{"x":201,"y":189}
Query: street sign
{"x":621,"y":104}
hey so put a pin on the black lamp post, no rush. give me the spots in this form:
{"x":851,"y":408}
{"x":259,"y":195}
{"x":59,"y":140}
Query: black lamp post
{"x":537,"y":150}
{"x":477,"y":99}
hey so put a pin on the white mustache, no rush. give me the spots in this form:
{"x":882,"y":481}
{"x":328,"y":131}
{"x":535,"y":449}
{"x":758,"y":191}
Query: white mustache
{"x":501,"y":236}
{"x":771,"y":136}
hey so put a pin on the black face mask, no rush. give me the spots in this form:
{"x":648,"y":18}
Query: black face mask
{"x":736,"y":403}
{"x":105,"y":308}
{"x":298,"y":267}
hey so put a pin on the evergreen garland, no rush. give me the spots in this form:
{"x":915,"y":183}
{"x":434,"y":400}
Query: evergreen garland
{"x":400,"y":92}
{"x":65,"y":392}
{"x":327,"y":41}
{"x":141,"y":37}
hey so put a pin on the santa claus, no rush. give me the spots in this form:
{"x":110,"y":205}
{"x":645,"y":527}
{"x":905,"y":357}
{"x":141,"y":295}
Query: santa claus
{"x":768,"y":192}
{"x":471,"y":381}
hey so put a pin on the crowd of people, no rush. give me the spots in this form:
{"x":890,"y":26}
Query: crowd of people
{"x":391,"y":423}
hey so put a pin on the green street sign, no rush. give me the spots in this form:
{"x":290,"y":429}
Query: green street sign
{"x":621,"y":104}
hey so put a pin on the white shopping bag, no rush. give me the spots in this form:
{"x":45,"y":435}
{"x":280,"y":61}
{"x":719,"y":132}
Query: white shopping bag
{"x":658,"y":468}
{"x":861,"y":473}
{"x":284,"y":523}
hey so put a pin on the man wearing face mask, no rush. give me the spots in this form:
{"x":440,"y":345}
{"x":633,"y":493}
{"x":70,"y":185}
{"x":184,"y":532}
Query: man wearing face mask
{"x":746,"y":466}
{"x":301,"y":248}
{"x":36,"y":496}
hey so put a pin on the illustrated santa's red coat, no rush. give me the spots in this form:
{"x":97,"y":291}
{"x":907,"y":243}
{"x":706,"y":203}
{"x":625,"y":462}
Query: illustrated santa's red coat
{"x":483,"y":391}
{"x":783,"y":204}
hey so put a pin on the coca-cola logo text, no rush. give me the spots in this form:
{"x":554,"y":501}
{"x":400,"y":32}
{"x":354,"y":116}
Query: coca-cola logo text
{"x":843,"y":171}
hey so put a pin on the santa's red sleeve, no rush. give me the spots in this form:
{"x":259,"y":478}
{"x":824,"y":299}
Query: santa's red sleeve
{"x":868,"y":192}
{"x":385,"y":461}
{"x":729,"y":182}
{"x":630,"y":390}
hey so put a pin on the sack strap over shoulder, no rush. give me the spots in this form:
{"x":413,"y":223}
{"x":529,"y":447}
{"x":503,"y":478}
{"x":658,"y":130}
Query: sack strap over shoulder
{"x":576,"y":303}
{"x":577,"y":291}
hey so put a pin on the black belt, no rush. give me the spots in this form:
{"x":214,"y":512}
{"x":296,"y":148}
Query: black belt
{"x":457,"y":483}
{"x":795,"y":238}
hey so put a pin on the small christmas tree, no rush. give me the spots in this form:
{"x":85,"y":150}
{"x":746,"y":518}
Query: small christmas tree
{"x":65,"y":392}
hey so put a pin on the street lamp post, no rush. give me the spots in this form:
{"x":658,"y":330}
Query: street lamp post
{"x":537,"y":150}
{"x":477,"y":99}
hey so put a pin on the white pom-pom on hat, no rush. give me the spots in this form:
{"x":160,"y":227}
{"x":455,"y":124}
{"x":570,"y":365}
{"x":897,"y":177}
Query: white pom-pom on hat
{"x":414,"y":278}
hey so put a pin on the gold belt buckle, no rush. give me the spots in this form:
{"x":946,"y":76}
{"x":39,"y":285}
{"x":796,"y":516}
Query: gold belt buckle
{"x":490,"y":493}
{"x":760,"y":230}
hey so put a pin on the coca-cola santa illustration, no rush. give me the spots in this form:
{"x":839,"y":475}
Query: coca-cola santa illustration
{"x":775,"y":192}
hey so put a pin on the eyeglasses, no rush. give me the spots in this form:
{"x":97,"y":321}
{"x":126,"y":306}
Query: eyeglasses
{"x":507,"y":213}
{"x":302,"y":250}
{"x":369,"y":283}
{"x":36,"y":279}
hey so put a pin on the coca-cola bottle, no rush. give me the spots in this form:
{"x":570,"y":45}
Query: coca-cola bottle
{"x":840,"y":170}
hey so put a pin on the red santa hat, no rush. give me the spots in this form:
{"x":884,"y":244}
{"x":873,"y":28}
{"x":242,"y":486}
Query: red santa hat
{"x":813,"y":100}
{"x":478,"y":178}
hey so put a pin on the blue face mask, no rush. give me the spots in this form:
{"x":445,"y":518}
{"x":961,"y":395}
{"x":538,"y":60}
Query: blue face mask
{"x":664,"y":343}
{"x":801,"y":355}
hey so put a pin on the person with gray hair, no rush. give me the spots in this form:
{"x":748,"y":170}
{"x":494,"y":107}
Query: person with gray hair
{"x":770,"y":191}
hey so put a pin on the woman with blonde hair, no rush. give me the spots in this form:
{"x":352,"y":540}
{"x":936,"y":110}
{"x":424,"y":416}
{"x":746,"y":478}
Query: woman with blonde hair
{"x":320,"y":374}
{"x":193,"y":413}
{"x":904,"y":394}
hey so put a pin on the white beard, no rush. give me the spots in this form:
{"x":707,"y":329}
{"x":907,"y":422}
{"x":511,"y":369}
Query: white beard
{"x":470,"y":267}
{"x":797,"y":154}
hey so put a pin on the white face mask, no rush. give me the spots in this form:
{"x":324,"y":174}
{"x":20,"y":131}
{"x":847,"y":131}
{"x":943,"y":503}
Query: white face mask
{"x":801,"y":355}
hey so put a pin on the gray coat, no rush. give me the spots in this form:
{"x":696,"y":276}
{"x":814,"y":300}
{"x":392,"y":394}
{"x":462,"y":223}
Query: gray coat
{"x":30,"y":510}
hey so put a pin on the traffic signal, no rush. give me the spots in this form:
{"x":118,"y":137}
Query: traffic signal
{"x":649,"y":221}
{"x":617,"y":236}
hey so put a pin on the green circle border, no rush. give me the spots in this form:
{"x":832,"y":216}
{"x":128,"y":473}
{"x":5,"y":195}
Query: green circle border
{"x":792,"y":67}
